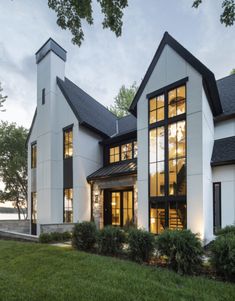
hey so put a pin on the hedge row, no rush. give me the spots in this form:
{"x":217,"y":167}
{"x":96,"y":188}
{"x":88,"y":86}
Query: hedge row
{"x":181,"y":248}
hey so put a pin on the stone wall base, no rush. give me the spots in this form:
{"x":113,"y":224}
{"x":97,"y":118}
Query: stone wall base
{"x":20,"y":226}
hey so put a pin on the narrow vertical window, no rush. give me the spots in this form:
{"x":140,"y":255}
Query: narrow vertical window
{"x":43,"y":96}
{"x":126,"y":151}
{"x":68,"y":143}
{"x":217,"y":206}
{"x":135,"y":149}
{"x":34,"y":155}
{"x":68,"y":205}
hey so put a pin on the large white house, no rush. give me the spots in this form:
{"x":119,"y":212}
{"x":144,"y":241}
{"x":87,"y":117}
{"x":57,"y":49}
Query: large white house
{"x":169,"y":164}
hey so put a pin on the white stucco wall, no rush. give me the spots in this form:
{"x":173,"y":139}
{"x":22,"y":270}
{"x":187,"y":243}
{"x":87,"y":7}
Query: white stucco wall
{"x":169,"y":69}
{"x":225,"y":129}
{"x":226,"y":175}
{"x":51,"y":118}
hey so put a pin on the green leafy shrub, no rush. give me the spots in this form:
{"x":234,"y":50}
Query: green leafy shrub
{"x":84,"y":236}
{"x":54,"y":237}
{"x":141,"y":245}
{"x":182,"y":248}
{"x":223,"y":255}
{"x":111,"y":240}
{"x":226,"y":230}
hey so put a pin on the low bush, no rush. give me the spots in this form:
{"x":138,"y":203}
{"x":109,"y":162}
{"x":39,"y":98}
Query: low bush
{"x":111,"y":240}
{"x":54,"y":237}
{"x":182,"y":248}
{"x":223,"y":255}
{"x":141,"y":245}
{"x":84,"y":236}
{"x":226,"y":230}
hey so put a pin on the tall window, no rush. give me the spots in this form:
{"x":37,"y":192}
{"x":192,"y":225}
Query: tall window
{"x":43,"y":96}
{"x":34,"y":155}
{"x":167,"y":159}
{"x":217,"y":206}
{"x":68,"y":205}
{"x":68,"y":143}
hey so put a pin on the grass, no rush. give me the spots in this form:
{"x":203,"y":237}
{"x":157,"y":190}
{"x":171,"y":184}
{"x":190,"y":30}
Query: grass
{"x":40,"y":272}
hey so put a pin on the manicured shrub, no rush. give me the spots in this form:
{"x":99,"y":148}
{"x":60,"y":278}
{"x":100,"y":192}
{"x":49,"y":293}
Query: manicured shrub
{"x":84,"y":236}
{"x":182,"y":248}
{"x":141,"y":245}
{"x":54,"y":237}
{"x":226,"y":230}
{"x":223,"y":255}
{"x":111,"y":240}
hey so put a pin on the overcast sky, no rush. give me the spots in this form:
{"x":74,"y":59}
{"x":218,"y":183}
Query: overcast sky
{"x":103,"y":63}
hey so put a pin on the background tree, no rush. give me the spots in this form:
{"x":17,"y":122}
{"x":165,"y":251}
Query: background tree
{"x":71,"y":13}
{"x":228,"y":11}
{"x":233,"y":71}
{"x":123,"y":100}
{"x":13,"y":165}
{"x":2,"y":99}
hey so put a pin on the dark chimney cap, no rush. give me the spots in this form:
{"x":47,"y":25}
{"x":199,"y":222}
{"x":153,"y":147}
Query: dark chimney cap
{"x":50,"y":45}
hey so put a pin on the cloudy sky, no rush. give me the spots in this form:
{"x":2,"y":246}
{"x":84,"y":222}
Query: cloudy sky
{"x":103,"y":63}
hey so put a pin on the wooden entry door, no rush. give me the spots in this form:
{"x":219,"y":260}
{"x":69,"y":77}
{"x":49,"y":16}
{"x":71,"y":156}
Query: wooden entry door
{"x":118,"y":208}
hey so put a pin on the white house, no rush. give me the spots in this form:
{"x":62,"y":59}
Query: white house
{"x":169,"y":164}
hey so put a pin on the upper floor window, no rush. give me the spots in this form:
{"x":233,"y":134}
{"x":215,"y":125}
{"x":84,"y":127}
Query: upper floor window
{"x":114,"y":155}
{"x":176,"y":102}
{"x":34,"y":155}
{"x":43,"y":96}
{"x":156,"y":109}
{"x":68,"y":143}
{"x":123,"y":152}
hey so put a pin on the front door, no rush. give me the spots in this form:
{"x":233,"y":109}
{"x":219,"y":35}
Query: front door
{"x":118,"y":208}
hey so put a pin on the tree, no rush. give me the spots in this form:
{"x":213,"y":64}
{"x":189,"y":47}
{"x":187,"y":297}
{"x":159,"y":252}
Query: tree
{"x":71,"y":13}
{"x":123,"y":100}
{"x":2,"y":99}
{"x":232,"y":72}
{"x":228,"y":11}
{"x":13,"y":165}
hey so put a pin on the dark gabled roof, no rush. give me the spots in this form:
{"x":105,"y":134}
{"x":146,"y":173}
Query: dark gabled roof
{"x":223,"y":151}
{"x":209,"y":82}
{"x":226,"y":87}
{"x":114,"y":170}
{"x":127,"y":124}
{"x":89,"y":112}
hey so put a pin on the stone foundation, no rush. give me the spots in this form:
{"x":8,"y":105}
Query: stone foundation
{"x":20,"y":226}
{"x":48,"y":228}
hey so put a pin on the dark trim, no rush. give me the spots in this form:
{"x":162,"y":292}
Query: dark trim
{"x":68,"y":127}
{"x":120,"y":138}
{"x":224,"y":117}
{"x":172,"y":86}
{"x":220,"y":213}
{"x":209,"y":82}
{"x":50,"y":45}
{"x":221,"y":163}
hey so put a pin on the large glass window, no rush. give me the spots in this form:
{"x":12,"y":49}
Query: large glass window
{"x":122,"y":207}
{"x":68,"y":143}
{"x":167,"y":159}
{"x":68,"y":205}
{"x":116,"y":208}
{"x":34,"y":155}
{"x":123,"y":152}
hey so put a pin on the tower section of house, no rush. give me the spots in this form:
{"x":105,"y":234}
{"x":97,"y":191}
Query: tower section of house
{"x":175,"y":106}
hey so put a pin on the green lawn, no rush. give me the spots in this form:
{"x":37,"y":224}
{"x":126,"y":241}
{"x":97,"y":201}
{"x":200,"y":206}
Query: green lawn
{"x":40,"y":272}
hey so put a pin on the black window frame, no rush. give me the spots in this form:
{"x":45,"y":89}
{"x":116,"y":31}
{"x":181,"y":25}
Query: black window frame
{"x":68,"y":188}
{"x":167,"y":199}
{"x":66,"y":130}
{"x":215,"y":227}
{"x":119,"y":145}
{"x":33,"y":145}
{"x":43,"y":96}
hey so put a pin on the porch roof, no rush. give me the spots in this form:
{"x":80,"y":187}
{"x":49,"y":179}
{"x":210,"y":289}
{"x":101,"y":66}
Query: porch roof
{"x":114,"y":170}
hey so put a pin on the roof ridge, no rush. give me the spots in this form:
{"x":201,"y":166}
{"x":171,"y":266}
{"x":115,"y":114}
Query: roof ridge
{"x":225,"y":77}
{"x":100,"y":104}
